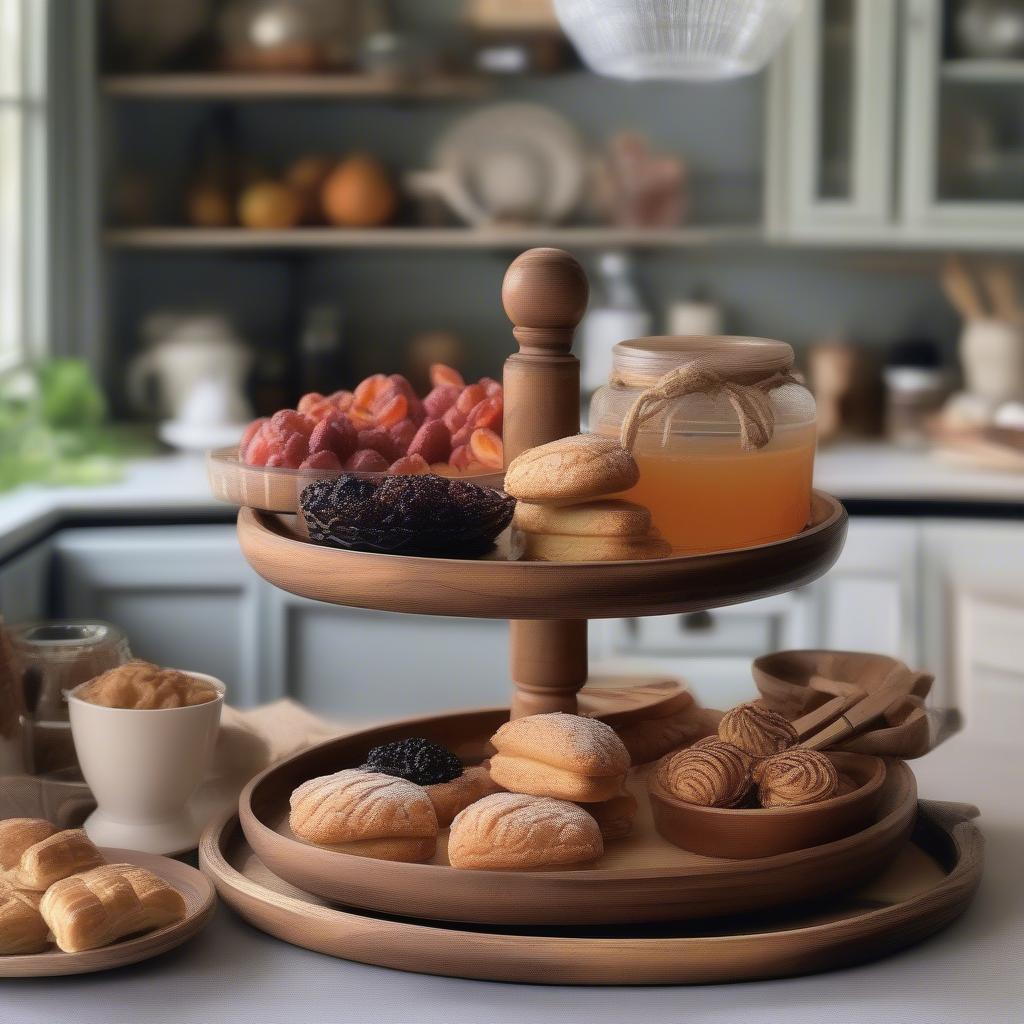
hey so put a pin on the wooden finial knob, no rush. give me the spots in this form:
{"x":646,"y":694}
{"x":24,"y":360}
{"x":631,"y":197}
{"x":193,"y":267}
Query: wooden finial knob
{"x":545,"y":296}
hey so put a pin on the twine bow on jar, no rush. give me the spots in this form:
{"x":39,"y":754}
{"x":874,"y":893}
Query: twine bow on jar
{"x":751,"y":401}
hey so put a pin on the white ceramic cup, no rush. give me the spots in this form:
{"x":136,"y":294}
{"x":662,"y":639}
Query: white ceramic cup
{"x":142,"y":768}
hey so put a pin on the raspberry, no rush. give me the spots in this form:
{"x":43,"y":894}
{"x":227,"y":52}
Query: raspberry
{"x":409,"y":465}
{"x":402,"y":433}
{"x":250,"y":432}
{"x":440,"y":400}
{"x":294,"y":452}
{"x":322,"y":460}
{"x":379,"y":441}
{"x":367,"y":461}
{"x":259,"y":450}
{"x":289,"y":421}
{"x":335,"y":435}
{"x":432,"y":442}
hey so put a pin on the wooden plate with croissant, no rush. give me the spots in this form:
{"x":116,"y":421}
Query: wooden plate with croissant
{"x":68,"y":907}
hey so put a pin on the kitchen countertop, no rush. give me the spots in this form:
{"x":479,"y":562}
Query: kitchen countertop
{"x":972,"y":971}
{"x":174,"y":487}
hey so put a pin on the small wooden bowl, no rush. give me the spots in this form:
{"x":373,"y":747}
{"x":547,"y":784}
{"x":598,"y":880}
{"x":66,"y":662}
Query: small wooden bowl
{"x":277,"y":490}
{"x":743,"y":833}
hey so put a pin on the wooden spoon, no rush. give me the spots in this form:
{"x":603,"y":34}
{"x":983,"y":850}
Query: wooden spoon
{"x":814,"y":720}
{"x":858,"y":715}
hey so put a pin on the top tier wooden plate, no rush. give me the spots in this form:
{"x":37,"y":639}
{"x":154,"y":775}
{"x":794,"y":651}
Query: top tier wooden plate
{"x":496,"y":588}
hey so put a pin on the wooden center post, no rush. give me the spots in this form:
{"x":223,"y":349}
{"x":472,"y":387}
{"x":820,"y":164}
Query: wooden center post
{"x":545,"y":296}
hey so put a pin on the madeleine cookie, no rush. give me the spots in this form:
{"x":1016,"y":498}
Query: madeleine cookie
{"x":559,"y":755}
{"x":456,"y":795}
{"x":541,"y":547}
{"x":367,"y":814}
{"x":517,"y":832}
{"x":614,"y":817}
{"x":608,"y":518}
{"x":570,"y":470}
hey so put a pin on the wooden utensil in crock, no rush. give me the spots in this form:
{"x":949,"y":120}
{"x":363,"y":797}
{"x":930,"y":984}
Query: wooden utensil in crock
{"x":743,"y":833}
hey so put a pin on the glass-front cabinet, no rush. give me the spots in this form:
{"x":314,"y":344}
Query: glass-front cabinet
{"x":896,"y":120}
{"x":963,"y":140}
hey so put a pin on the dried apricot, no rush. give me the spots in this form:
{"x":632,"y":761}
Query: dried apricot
{"x":487,"y":414}
{"x":367,"y":390}
{"x":361,"y":416}
{"x":341,"y":400}
{"x":470,"y":396}
{"x":443,"y":374}
{"x":453,"y":419}
{"x":390,"y":407}
{"x":461,"y":457}
{"x":487,"y":448}
{"x":462,"y":435}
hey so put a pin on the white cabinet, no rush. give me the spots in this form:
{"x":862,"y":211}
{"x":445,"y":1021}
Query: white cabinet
{"x":972,"y":598}
{"x":868,"y":601}
{"x":831,"y":110}
{"x":183,"y":595}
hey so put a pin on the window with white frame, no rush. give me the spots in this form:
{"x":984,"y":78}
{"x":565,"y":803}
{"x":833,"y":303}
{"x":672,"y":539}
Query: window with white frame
{"x":22,"y":180}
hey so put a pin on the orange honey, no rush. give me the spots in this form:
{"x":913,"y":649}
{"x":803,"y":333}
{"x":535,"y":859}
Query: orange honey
{"x":708,"y":495}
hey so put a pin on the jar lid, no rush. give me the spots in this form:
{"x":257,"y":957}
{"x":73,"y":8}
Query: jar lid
{"x":641,"y":362}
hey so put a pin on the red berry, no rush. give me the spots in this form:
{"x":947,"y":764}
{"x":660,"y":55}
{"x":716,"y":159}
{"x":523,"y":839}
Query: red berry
{"x":379,"y":441}
{"x":432,"y":441}
{"x":453,"y":419}
{"x":250,"y":432}
{"x":259,"y":449}
{"x":335,"y":435}
{"x":461,"y":457}
{"x":462,"y":435}
{"x":341,"y":400}
{"x":440,"y":400}
{"x":409,"y":465}
{"x":276,"y":461}
{"x":322,"y":460}
{"x":402,"y":433}
{"x":295,"y":450}
{"x":308,"y":401}
{"x":287,"y":421}
{"x":367,"y":461}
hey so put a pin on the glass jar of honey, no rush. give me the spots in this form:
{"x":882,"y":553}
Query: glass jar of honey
{"x":723,"y":434}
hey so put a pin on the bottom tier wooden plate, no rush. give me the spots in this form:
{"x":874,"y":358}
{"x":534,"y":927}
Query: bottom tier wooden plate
{"x":200,"y":899}
{"x":641,"y":878}
{"x":929,"y":884}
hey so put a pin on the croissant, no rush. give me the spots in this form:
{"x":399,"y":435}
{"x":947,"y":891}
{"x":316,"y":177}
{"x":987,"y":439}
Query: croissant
{"x":56,"y":857}
{"x":22,"y":928}
{"x":366,"y":813}
{"x":17,"y":835}
{"x":108,"y":903}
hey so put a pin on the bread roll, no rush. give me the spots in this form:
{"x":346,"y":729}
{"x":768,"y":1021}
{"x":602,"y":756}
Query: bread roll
{"x":22,"y":928}
{"x":451,"y":797}
{"x":367,"y":814}
{"x":539,"y":547}
{"x":558,"y":755}
{"x":108,"y":903}
{"x":17,"y":835}
{"x":516,"y":832}
{"x":756,"y":729}
{"x":570,"y":470}
{"x":608,"y":518}
{"x":614,"y":817}
{"x":56,"y":857}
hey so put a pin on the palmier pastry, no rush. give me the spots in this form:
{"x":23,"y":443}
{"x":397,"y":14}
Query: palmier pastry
{"x":756,"y":730}
{"x":22,"y":928}
{"x":367,"y":814}
{"x":558,"y":755}
{"x":517,"y":832}
{"x":710,"y":773}
{"x":614,"y":817}
{"x":451,"y":797}
{"x":56,"y":857}
{"x":108,"y":903}
{"x":793,"y":777}
{"x":17,"y":835}
{"x":570,"y":470}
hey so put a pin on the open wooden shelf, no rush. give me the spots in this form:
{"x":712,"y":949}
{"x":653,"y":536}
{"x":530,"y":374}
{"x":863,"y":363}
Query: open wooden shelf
{"x":968,"y":70}
{"x":512,"y":238}
{"x":234,"y":86}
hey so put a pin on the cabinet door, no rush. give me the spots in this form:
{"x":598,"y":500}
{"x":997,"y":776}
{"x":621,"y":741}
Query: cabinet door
{"x":962,"y":133}
{"x":711,"y":650}
{"x":868,"y":601}
{"x":25,"y":585}
{"x":183,"y":595}
{"x":973,"y":598}
{"x":832,"y":96}
{"x":361,"y":665}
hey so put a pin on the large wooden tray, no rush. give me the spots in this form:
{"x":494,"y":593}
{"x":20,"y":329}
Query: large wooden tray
{"x":927,"y":886}
{"x":641,"y":878}
{"x":200,"y":900}
{"x":496,"y":587}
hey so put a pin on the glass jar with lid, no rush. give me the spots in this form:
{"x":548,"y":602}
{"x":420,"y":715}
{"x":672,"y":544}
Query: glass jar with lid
{"x":723,"y":433}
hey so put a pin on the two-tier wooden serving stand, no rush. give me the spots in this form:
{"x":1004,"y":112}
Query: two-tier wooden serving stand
{"x":629,"y":918}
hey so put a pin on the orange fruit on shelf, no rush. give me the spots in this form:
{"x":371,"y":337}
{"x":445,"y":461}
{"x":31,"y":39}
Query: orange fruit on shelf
{"x":269,"y":206}
{"x":359,"y":193}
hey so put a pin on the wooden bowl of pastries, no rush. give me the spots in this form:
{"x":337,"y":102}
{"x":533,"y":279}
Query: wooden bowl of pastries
{"x":760,"y":820}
